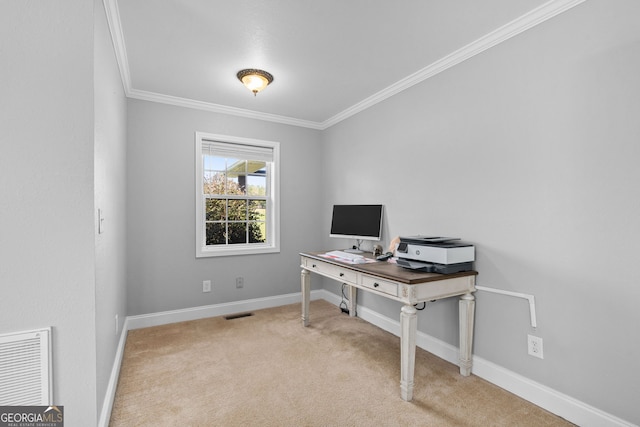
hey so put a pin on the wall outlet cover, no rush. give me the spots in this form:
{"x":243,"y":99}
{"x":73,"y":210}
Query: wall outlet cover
{"x":535,"y":348}
{"x":206,"y":286}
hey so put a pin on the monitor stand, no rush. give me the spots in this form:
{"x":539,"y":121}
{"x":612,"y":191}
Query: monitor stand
{"x":353,"y":251}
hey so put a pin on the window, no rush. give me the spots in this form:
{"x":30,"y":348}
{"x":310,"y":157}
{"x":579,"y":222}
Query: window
{"x":237,"y":205}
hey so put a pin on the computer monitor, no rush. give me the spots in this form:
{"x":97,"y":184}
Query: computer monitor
{"x":360,"y":222}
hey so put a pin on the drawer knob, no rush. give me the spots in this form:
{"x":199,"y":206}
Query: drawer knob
{"x":375,"y":285}
{"x":341,"y":274}
{"x":313,"y":266}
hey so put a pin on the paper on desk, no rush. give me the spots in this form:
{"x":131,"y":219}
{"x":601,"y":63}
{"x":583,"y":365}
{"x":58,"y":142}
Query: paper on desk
{"x":349,"y":261}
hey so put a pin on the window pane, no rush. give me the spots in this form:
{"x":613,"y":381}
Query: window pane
{"x":236,"y":166}
{"x":257,"y":210}
{"x":207,"y":182}
{"x":213,"y":183}
{"x":257,"y":232}
{"x":237,"y":232}
{"x":257,"y":167}
{"x":237,"y":210}
{"x":214,"y":163}
{"x":234,"y":187}
{"x":241,"y":179}
{"x":215,"y":209}
{"x":237,"y":173}
{"x":256,"y":185}
{"x":215,"y":233}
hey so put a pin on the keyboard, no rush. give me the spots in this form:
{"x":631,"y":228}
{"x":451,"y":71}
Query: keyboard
{"x":345,"y":255}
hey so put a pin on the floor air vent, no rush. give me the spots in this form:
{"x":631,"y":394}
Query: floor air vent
{"x":238,"y":316}
{"x":25,"y":368}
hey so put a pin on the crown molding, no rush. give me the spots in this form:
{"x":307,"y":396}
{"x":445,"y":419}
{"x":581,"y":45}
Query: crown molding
{"x":223,"y":109}
{"x":504,"y":33}
{"x":529,"y":20}
{"x":117,"y":37}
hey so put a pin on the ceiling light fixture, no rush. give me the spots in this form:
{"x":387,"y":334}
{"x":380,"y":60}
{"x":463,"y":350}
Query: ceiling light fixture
{"x":254,"y":80}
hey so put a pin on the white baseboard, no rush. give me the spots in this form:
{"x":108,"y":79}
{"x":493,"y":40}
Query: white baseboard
{"x":545,"y":397}
{"x":553,"y":401}
{"x":110,"y":394}
{"x":173,"y":316}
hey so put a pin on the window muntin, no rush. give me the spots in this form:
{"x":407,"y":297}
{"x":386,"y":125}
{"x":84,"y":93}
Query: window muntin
{"x":236,"y":195}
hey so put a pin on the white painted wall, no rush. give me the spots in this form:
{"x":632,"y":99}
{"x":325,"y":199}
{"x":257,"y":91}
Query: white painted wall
{"x":530,"y":150}
{"x":47,"y":246}
{"x":163,"y":272}
{"x":110,"y":196}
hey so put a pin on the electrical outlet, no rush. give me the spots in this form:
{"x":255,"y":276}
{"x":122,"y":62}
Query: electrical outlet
{"x":535,"y":346}
{"x":206,"y":286}
{"x":239,"y":282}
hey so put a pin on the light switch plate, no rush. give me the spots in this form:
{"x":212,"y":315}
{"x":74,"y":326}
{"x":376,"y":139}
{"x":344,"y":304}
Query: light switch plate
{"x":100,"y":221}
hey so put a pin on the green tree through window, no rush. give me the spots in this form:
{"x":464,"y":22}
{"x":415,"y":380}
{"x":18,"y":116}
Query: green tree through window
{"x":235,"y":201}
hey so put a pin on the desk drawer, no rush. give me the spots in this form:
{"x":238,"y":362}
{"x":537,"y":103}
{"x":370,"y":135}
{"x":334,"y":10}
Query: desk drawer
{"x":380,"y":285}
{"x":342,"y":274}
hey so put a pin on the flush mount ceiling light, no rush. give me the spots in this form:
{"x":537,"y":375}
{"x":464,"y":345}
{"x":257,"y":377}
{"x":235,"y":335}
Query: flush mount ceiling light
{"x":254,"y":80}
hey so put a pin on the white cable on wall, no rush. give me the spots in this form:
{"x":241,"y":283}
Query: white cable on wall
{"x":530,"y":298}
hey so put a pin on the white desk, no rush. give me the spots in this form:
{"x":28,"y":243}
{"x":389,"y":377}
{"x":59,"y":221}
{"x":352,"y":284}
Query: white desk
{"x":400,"y":284}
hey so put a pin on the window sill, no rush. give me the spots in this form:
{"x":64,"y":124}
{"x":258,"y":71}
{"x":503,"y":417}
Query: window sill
{"x":206,"y":252}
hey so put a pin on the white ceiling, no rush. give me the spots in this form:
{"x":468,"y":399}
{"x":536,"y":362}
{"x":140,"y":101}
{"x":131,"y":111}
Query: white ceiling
{"x":329,"y":58}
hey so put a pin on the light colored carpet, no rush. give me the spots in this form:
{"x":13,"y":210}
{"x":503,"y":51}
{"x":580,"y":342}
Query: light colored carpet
{"x":267,"y":370}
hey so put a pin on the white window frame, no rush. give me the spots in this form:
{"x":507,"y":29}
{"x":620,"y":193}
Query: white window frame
{"x":272,"y":244}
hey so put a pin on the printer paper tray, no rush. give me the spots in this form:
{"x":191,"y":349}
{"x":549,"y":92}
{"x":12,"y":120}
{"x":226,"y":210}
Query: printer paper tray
{"x":435,"y":268}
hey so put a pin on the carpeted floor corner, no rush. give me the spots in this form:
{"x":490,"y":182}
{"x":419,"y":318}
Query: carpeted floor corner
{"x":268,"y":370}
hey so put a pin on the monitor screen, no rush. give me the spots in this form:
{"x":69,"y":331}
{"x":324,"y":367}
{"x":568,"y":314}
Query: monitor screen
{"x":363,"y":222}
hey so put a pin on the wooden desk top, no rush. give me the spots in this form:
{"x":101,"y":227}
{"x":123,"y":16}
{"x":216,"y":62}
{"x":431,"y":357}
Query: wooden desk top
{"x":389,"y":270}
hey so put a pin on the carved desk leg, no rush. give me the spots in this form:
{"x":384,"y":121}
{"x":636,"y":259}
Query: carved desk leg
{"x":408,"y":324}
{"x":466,"y":308}
{"x":305,"y":284}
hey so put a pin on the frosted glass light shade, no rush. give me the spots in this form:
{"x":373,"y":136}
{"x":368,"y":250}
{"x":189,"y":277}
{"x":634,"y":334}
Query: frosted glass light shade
{"x":254,"y":80}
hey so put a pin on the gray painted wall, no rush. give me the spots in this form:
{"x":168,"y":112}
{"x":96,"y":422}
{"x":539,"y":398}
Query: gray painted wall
{"x":163,"y":272}
{"x":530,"y":150}
{"x":47,"y":246}
{"x":63,"y":145}
{"x":110,"y":195}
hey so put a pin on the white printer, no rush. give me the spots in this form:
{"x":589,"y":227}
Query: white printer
{"x":443,"y":255}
